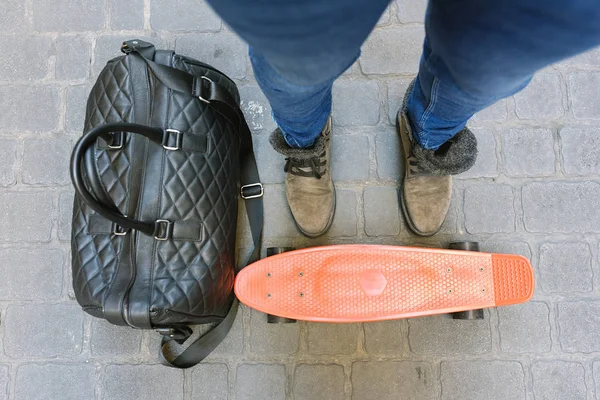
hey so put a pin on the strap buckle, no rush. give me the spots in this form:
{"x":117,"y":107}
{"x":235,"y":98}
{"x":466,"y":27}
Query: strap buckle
{"x":252,"y":194}
{"x":179,"y":334}
{"x":178,"y":139}
{"x":163,"y":229}
{"x":118,"y":230}
{"x":202,"y":99}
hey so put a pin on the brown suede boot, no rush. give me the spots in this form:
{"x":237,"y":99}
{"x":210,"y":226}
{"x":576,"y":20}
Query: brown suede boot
{"x":427,"y":185}
{"x":308,"y":186}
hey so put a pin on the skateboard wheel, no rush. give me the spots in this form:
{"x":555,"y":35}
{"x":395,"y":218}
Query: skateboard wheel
{"x":469,"y":315}
{"x":466,"y":246}
{"x":271,"y":251}
{"x":274,"y":319}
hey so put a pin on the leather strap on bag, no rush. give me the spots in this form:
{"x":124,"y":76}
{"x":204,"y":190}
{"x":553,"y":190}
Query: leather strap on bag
{"x":221,"y":101}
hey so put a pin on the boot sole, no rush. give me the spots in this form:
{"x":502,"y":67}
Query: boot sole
{"x":407,"y":218}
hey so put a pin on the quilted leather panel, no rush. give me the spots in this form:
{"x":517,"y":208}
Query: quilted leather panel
{"x":95,"y":257}
{"x":202,"y":187}
{"x":190,"y":281}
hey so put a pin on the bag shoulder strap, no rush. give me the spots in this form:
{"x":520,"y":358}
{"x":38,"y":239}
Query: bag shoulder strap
{"x":221,"y":101}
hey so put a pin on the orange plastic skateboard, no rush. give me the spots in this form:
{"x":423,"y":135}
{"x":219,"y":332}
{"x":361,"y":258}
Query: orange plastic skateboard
{"x":361,"y":283}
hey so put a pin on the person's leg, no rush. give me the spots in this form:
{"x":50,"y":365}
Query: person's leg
{"x":476,"y":53}
{"x":297,"y":49}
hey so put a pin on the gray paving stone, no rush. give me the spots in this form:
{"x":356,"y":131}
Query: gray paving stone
{"x":387,"y":148}
{"x":257,"y":109}
{"x":4,"y":379}
{"x":266,"y":382}
{"x":25,"y":216}
{"x":489,"y":209}
{"x":73,"y":57}
{"x":396,"y":92}
{"x":580,"y":149}
{"x":77,"y":97}
{"x":332,"y":338}
{"x":45,"y":100}
{"x":443,"y":335}
{"x":528,"y":152}
{"x":583,"y":90}
{"x":349,"y":158}
{"x":65,"y":215}
{"x":46,"y":161}
{"x":125,"y":382}
{"x":382,"y":212}
{"x":496,"y":112}
{"x":55,"y":381}
{"x":525,"y":328}
{"x":565,"y":268}
{"x":272,"y":339}
{"x":8,"y":156}
{"x":350,"y":109}
{"x":224,"y":51}
{"x":51,"y":330}
{"x":558,"y":380}
{"x":544,"y":85}
{"x":503,"y":247}
{"x":30,"y":274}
{"x":385,"y":337}
{"x":411,"y":10}
{"x":111,"y":340}
{"x":126,"y":14}
{"x":561,"y":207}
{"x":13,"y":17}
{"x":210,"y":382}
{"x":579,"y":326}
{"x":345,"y":220}
{"x":270,"y":163}
{"x":24,"y":57}
{"x":490,"y":380}
{"x":234,"y":342}
{"x":319,"y":382}
{"x":596,"y":372}
{"x":392,"y":51}
{"x":385,"y":380}
{"x":109,"y":47}
{"x":187,"y":16}
{"x":385,"y":17}
{"x":278,"y":221}
{"x":68,"y":15}
{"x":486,"y":165}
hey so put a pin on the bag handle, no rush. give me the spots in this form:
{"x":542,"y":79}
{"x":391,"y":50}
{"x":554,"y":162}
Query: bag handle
{"x":160,"y":229}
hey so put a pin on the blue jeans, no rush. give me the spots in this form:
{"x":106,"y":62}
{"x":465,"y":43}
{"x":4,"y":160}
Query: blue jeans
{"x":474,"y":54}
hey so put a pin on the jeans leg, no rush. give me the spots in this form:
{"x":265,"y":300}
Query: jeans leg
{"x":300,"y":110}
{"x":478,"y":52}
{"x":297,"y":49}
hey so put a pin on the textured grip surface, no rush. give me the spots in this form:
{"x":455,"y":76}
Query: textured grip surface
{"x":513,"y":279}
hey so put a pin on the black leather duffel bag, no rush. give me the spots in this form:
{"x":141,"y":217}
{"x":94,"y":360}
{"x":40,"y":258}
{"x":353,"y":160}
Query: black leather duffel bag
{"x":158,"y":174}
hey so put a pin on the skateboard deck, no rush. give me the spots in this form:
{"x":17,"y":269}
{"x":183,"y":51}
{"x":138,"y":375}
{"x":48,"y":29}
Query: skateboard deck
{"x":363,"y":283}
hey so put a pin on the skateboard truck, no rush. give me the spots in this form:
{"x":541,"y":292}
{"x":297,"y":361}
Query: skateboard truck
{"x":274,"y":319}
{"x":469,"y":314}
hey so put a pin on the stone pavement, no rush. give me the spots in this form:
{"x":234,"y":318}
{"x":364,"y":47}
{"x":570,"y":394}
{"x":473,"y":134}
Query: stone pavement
{"x":534,"y":191}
